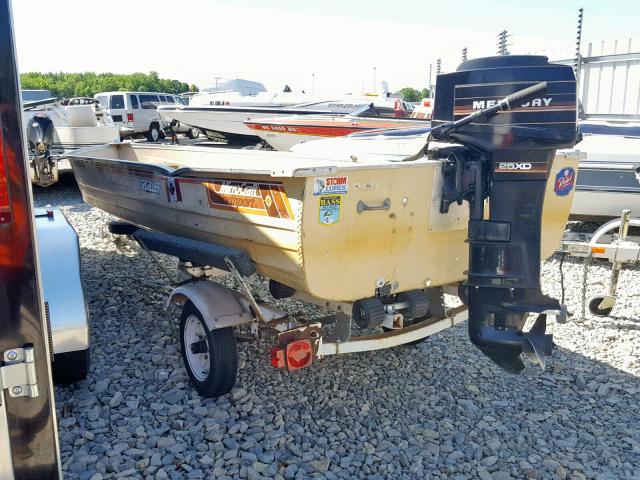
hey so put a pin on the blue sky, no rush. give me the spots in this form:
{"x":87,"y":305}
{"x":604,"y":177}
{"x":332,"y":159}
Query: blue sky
{"x":287,"y":41}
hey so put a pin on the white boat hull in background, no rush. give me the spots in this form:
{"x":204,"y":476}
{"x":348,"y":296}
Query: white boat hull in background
{"x":229,"y":122}
{"x":609,"y":178}
{"x":72,"y":138}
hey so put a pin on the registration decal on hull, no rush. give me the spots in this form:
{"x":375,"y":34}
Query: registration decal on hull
{"x":248,"y":196}
{"x":330,"y":209}
{"x":174,"y":194}
{"x":144,"y":184}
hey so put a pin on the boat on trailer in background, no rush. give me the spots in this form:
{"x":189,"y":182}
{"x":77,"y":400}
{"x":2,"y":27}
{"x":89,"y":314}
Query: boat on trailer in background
{"x":394,"y":230}
{"x":282,"y":133}
{"x":225,"y":113}
{"x":56,"y":127}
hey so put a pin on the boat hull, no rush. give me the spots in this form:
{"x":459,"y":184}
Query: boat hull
{"x":609,"y":179}
{"x":284,"y":132}
{"x":303,"y":227}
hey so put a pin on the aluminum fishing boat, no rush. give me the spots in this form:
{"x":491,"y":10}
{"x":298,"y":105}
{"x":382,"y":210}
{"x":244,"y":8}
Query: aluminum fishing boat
{"x":375,"y":238}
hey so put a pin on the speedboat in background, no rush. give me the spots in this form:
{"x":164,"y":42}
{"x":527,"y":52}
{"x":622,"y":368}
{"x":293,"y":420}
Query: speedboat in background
{"x":282,"y":133}
{"x":224,"y":114}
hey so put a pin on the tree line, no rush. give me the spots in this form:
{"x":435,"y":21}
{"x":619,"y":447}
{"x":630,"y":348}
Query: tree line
{"x":412,"y":95}
{"x":66,"y":85}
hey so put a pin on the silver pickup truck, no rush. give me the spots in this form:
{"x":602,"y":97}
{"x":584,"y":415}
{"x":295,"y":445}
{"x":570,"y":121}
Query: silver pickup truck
{"x":66,"y":309}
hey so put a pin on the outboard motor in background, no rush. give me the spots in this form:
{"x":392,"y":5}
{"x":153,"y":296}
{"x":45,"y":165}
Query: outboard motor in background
{"x":508,"y":115}
{"x":41,"y":137}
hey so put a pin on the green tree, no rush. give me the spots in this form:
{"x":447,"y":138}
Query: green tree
{"x":87,"y":84}
{"x":412,"y":95}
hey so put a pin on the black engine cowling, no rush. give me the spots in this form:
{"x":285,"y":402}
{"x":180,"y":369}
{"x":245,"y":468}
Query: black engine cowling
{"x":506,"y":157}
{"x":40,"y":133}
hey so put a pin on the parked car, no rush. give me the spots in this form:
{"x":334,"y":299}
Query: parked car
{"x":136,"y":113}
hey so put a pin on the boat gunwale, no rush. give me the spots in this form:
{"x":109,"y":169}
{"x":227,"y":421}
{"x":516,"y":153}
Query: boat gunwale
{"x":323,"y":167}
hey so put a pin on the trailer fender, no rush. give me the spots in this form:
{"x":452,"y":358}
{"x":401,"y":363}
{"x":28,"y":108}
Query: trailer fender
{"x":218,"y":304}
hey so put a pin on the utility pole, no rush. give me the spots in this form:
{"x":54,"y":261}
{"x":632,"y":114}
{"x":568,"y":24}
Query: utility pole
{"x":502,"y":43}
{"x":313,"y":84}
{"x":578,"y":61}
{"x":438,"y":66}
{"x":464,"y":54}
{"x":430,"y":84}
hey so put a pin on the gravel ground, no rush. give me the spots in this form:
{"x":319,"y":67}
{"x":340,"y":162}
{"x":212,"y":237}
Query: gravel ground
{"x":440,"y":410}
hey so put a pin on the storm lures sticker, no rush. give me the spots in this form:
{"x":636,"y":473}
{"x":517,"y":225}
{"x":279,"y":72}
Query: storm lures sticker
{"x":330,"y":208}
{"x":564,"y":181}
{"x":330,"y":185}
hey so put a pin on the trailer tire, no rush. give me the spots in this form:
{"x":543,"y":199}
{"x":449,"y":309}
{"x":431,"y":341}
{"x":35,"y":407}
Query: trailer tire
{"x":70,"y":367}
{"x":212,"y":361}
{"x":594,"y":307}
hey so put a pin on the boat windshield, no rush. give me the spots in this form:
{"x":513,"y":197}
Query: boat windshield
{"x":371,"y":110}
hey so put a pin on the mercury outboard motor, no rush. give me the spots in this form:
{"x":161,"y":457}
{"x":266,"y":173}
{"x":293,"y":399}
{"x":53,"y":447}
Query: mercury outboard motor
{"x":41,"y":137}
{"x":507,"y":115}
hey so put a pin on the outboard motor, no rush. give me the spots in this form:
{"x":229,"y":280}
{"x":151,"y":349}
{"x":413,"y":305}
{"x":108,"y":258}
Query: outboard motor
{"x":41,"y":137}
{"x":507,"y":115}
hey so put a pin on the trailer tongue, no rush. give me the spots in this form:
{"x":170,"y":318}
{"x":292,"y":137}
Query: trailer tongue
{"x":525,"y":110}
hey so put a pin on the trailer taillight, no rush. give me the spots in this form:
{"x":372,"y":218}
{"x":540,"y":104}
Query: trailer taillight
{"x":129,"y":117}
{"x":277,"y":357}
{"x":299,"y":354}
{"x":5,"y":206}
{"x":293,"y":356}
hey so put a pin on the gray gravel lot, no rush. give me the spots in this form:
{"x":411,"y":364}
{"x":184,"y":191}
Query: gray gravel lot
{"x":440,"y":410}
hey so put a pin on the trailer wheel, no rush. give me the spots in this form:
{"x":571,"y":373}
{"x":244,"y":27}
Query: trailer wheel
{"x":595,"y":309}
{"x":70,"y":367}
{"x":210,"y":356}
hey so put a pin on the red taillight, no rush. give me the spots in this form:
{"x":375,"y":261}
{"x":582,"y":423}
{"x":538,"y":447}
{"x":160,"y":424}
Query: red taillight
{"x":299,"y":354}
{"x":277,"y":358}
{"x":293,"y":356}
{"x":129,"y":117}
{"x":5,"y":206}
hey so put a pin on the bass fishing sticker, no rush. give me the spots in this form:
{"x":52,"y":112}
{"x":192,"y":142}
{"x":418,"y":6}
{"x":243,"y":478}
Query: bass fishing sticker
{"x":330,"y":207}
{"x":330,"y":185}
{"x":564,"y":181}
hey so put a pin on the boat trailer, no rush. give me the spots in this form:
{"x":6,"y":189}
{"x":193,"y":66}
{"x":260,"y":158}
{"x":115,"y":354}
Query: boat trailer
{"x":620,"y":249}
{"x":212,"y":311}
